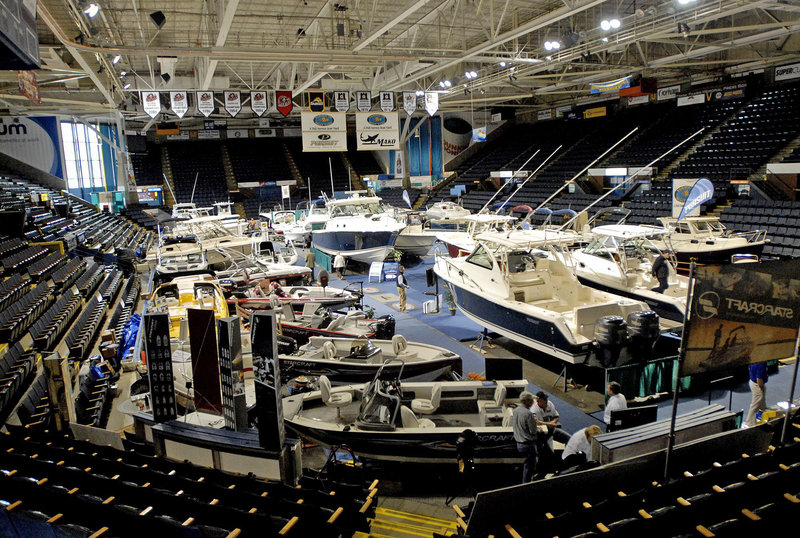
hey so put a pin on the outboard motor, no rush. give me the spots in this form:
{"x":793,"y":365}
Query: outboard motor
{"x":286,"y":345}
{"x":384,"y":327}
{"x":611,"y":336}
{"x":644,"y":329}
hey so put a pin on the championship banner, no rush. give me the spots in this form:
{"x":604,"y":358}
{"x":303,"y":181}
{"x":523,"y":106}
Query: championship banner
{"x":377,"y":130}
{"x":258,"y":103}
{"x":205,"y":103}
{"x":29,"y":86}
{"x":342,"y":101}
{"x":409,"y":102}
{"x":701,"y":192}
{"x":151,"y":103}
{"x":233,"y":102}
{"x":283,"y":102}
{"x":316,"y":101}
{"x":364,"y":101}
{"x":179,"y":101}
{"x":324,"y":131}
{"x":431,"y":102}
{"x":387,"y":101}
{"x":619,"y":84}
{"x":742,"y":314}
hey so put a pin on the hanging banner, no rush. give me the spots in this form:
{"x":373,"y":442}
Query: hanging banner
{"x":377,"y":130}
{"x":283,"y":102}
{"x":725,"y":94}
{"x":702,"y":191}
{"x":431,"y":102}
{"x":285,"y":191}
{"x":742,"y":314}
{"x":619,"y":84}
{"x":695,"y":99}
{"x":179,"y":102}
{"x":363,"y":101}
{"x":233,"y":102}
{"x":787,"y":72}
{"x":316,"y":101}
{"x":638,"y":100}
{"x":258,"y":103}
{"x":598,"y":112}
{"x":387,"y":101}
{"x":562,"y":110}
{"x":29,"y":86}
{"x":479,"y":134}
{"x":324,"y":131}
{"x":151,"y":102}
{"x":205,"y":103}
{"x":670,"y":92}
{"x":409,"y":102}
{"x":342,"y":101}
{"x":497,"y":117}
{"x":545,"y":114}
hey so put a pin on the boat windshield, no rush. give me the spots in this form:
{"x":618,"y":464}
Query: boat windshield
{"x":709,"y":226}
{"x":182,"y":260}
{"x":602,"y":247}
{"x":480,"y":257}
{"x":352,"y":210}
{"x":380,"y":403}
{"x":522,"y":260}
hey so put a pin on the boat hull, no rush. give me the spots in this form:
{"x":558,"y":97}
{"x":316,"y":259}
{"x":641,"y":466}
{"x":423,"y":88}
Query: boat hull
{"x":334,"y":303}
{"x":415,"y":244}
{"x":345,"y":372}
{"x":362,"y":246}
{"x":713,"y":256}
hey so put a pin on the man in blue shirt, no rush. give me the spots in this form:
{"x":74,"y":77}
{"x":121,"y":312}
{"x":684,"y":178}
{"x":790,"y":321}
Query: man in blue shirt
{"x":758,"y":381}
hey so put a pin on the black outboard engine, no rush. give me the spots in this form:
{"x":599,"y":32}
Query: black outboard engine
{"x":643,"y":329}
{"x":286,"y":345}
{"x":611,"y":336}
{"x":384,"y":327}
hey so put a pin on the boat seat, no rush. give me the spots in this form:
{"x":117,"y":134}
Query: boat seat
{"x":410,"y":420}
{"x":497,"y":400}
{"x":337,"y":324}
{"x":329,"y":351}
{"x":356,"y":314}
{"x":333,"y":399}
{"x":400,"y":347}
{"x":288,"y":313}
{"x":508,"y":415}
{"x":425,"y":406}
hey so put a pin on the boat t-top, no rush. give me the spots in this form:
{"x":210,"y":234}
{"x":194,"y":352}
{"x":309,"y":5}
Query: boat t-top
{"x":462,"y":242}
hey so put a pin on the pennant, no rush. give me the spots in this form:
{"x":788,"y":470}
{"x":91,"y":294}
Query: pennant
{"x":406,"y":198}
{"x":151,"y":102}
{"x":364,"y":101}
{"x":342,"y":101}
{"x":179,"y":101}
{"x":409,"y":102}
{"x":205,"y":103}
{"x":431,"y":102}
{"x":701,"y":192}
{"x":29,"y":86}
{"x":233,"y":102}
{"x":316,"y":101}
{"x":387,"y":101}
{"x":283,"y":101}
{"x":258,"y":103}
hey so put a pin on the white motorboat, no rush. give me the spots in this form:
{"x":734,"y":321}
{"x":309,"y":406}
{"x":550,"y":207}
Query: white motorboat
{"x":285,"y":223}
{"x":417,"y":238}
{"x":520,"y":285}
{"x":259,"y":296}
{"x":462,"y":242}
{"x":442,"y":212}
{"x":620,"y":260}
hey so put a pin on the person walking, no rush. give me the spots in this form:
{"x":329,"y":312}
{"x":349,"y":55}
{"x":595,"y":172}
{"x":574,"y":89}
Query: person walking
{"x":524,"y":425}
{"x":311,"y":262}
{"x":402,"y":286}
{"x":338,"y":265}
{"x":758,"y":386}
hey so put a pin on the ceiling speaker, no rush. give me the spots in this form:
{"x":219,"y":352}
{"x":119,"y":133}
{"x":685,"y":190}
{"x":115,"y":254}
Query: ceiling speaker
{"x":158,"y":19}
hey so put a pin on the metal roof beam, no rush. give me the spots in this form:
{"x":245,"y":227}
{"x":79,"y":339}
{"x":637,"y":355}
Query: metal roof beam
{"x":222,"y":36}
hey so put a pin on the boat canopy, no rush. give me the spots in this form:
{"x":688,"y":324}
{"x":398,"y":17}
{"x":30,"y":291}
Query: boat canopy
{"x":625,"y":231}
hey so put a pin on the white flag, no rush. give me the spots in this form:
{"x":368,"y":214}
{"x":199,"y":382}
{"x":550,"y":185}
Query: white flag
{"x":431,"y":102}
{"x":233,"y":102}
{"x":342,"y":101}
{"x":151,"y":102}
{"x":406,"y":198}
{"x":363,"y":101}
{"x":387,"y":101}
{"x":258,"y":103}
{"x":205,"y":103}
{"x":179,"y":103}
{"x":409,"y":102}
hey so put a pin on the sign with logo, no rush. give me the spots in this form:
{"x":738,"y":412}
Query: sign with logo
{"x":670,"y":92}
{"x":479,"y":134}
{"x":34,"y":141}
{"x":179,"y":101}
{"x":680,"y":193}
{"x":598,"y":112}
{"x":431,"y":102}
{"x":725,"y":94}
{"x":387,"y":101}
{"x":409,"y":102}
{"x":377,"y":130}
{"x":560,"y":111}
{"x":258,"y":103}
{"x":208,"y":135}
{"x":619,"y":84}
{"x":265,"y":133}
{"x":701,"y":192}
{"x":787,"y":72}
{"x":316,"y":101}
{"x":151,"y":103}
{"x":205,"y":103}
{"x":545,"y":114}
{"x":363,"y":101}
{"x":326,"y":131}
{"x":342,"y":101}
{"x":742,"y":314}
{"x":267,"y":381}
{"x":695,"y":99}
{"x":29,"y":86}
{"x":638,"y":100}
{"x":283,"y":102}
{"x":233,"y":102}
{"x":497,"y":117}
{"x":159,"y":366}
{"x":284,"y":191}
{"x":238,"y":133}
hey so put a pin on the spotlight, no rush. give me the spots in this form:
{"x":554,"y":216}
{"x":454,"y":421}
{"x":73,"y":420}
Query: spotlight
{"x":615,"y":23}
{"x":685,"y":2}
{"x":502,"y":64}
{"x":91,"y":10}
{"x":116,"y":59}
{"x":605,"y":40}
{"x":122,"y":74}
{"x":127,"y":86}
{"x":441,"y":84}
{"x":605,"y":25}
{"x":512,"y":68}
{"x":467,"y":74}
{"x":548,"y":45}
{"x":556,"y":45}
{"x":474,"y":74}
{"x":548,"y":58}
{"x":419,"y":93}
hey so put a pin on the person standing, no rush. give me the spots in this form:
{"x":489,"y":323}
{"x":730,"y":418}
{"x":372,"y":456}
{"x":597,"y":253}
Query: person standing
{"x":758,"y":386}
{"x":660,"y":270}
{"x":402,"y":286}
{"x":311,"y":262}
{"x":524,"y":426}
{"x":616,"y":401}
{"x":338,"y":265}
{"x":546,"y":415}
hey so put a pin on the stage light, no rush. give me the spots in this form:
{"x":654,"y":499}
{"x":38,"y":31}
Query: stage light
{"x":127,"y":86}
{"x":419,"y":93}
{"x":548,"y":45}
{"x":502,"y":64}
{"x":605,"y":25}
{"x":122,"y":74}
{"x":447,"y":84}
{"x":615,"y":23}
{"x":91,"y":10}
{"x":116,"y":59}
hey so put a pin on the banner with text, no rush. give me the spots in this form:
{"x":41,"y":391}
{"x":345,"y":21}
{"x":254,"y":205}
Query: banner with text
{"x":151,"y":103}
{"x":179,"y":103}
{"x":787,"y":72}
{"x":325,"y":131}
{"x":377,"y":130}
{"x":619,"y":84}
{"x":205,"y":103}
{"x":258,"y":103}
{"x":670,"y":92}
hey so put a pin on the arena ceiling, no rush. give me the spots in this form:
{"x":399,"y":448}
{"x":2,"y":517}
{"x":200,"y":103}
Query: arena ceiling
{"x":393,"y":45}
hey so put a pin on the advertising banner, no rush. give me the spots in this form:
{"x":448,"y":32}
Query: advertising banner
{"x":205,"y":103}
{"x":560,"y":111}
{"x":409,"y":102}
{"x":208,"y":135}
{"x":238,"y":133}
{"x":787,"y":72}
{"x":267,"y":375}
{"x":159,"y":366}
{"x":725,"y":94}
{"x":598,"y":112}
{"x":265,"y":133}
{"x":701,"y":192}
{"x":179,"y":101}
{"x":377,"y":130}
{"x":638,"y":100}
{"x":545,"y":114}
{"x":231,"y":370}
{"x":342,"y":101}
{"x":497,"y":117}
{"x":387,"y":101}
{"x":619,"y":84}
{"x":233,"y":102}
{"x":479,"y":134}
{"x":696,"y":99}
{"x":34,"y":141}
{"x":283,"y":102}
{"x":670,"y":92}
{"x":431,"y":102}
{"x":151,"y":103}
{"x":680,"y":193}
{"x":258,"y":103}
{"x":742,"y":314}
{"x":325,"y":131}
{"x":316,"y":101}
{"x":363,"y":101}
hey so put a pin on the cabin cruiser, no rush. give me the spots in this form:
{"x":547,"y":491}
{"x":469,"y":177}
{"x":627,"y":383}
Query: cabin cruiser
{"x":520,"y":285}
{"x":706,"y":240}
{"x":357,"y":360}
{"x":442,"y":212}
{"x":285,"y":223}
{"x":410,"y":422}
{"x":259,"y":297}
{"x":620,"y":260}
{"x":417,"y":238}
{"x":358,"y":228}
{"x":461,"y":242}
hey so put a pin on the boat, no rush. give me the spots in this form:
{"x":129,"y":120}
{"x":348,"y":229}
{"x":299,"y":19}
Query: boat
{"x":417,"y":237}
{"x":705,"y":240}
{"x":443,"y":212}
{"x":519,"y":284}
{"x":358,"y":228}
{"x":462,"y":241}
{"x":377,"y":419}
{"x":357,"y":360}
{"x":620,"y":260}
{"x":183,"y":293}
{"x":259,"y":297}
{"x":285,"y":223}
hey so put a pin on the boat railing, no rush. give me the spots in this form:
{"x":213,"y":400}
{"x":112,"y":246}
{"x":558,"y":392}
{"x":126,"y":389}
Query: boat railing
{"x":754,"y":236}
{"x":449,"y":264}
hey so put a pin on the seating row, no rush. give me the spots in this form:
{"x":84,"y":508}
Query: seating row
{"x":82,"y":334}
{"x":51,"y":325}
{"x":19,"y":316}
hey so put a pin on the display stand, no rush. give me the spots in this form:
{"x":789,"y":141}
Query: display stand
{"x":483,"y":340}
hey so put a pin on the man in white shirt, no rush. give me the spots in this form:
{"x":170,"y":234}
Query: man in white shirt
{"x":616,"y":401}
{"x":338,"y":265}
{"x":546,"y":418}
{"x":579,"y":447}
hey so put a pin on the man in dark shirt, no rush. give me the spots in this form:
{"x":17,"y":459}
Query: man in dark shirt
{"x":758,"y":386}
